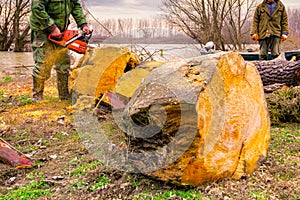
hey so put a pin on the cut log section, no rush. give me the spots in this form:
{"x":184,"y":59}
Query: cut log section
{"x":210,"y":113}
{"x":102,"y":68}
{"x":188,"y":122}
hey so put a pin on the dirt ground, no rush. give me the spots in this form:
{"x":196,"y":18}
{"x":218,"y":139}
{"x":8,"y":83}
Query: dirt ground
{"x":63,"y":168}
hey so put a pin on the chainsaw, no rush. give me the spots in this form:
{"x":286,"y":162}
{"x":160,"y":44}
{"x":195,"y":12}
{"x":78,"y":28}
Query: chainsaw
{"x":72,"y":39}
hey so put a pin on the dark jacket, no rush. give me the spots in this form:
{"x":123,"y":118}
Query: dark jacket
{"x":46,"y":13}
{"x":266,"y":25}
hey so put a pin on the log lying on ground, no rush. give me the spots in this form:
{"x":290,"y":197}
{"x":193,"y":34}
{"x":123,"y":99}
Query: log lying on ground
{"x":102,"y":68}
{"x":278,"y":72}
{"x":188,"y":122}
{"x":207,"y":119}
{"x":129,"y":82}
{"x":12,"y":157}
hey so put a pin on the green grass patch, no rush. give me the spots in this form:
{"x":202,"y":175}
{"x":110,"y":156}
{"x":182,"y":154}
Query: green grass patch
{"x":25,"y":99}
{"x":85,"y":167}
{"x":135,"y":182}
{"x":284,"y":150}
{"x":7,"y":79}
{"x":27,"y":148}
{"x":79,"y":184}
{"x":186,"y":194}
{"x":259,"y":195}
{"x":18,"y":136}
{"x":102,"y":181}
{"x":59,"y":135}
{"x":34,"y":190}
{"x":285,"y":136}
{"x":34,"y":175}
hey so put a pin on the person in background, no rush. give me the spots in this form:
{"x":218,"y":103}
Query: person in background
{"x":269,"y":27}
{"x":52,"y":17}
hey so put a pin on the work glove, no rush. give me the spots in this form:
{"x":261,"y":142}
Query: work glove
{"x":85,"y":28}
{"x":254,"y":37}
{"x":284,"y":37}
{"x":56,"y":33}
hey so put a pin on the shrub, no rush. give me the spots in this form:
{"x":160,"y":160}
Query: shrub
{"x":284,"y":105}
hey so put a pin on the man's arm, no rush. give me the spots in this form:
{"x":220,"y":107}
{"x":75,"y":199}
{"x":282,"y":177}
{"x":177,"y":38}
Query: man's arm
{"x":77,"y":13}
{"x":255,"y":22}
{"x":40,"y":19}
{"x":284,"y":23}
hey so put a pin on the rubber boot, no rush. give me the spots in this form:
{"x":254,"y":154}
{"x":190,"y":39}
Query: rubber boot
{"x":37,"y":90}
{"x":62,"y":86}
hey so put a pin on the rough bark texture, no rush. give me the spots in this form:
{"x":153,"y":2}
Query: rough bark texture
{"x":188,"y":122}
{"x":223,"y":98}
{"x":279,"y":71}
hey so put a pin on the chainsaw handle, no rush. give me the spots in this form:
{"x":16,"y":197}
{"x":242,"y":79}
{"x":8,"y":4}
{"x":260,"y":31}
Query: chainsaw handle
{"x":57,"y":40}
{"x":61,"y":35}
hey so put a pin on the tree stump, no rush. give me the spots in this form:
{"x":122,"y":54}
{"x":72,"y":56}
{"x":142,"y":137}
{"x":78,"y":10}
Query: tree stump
{"x":187,"y":122}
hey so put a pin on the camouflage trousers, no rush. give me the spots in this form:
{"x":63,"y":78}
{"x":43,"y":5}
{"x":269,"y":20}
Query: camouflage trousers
{"x":47,"y":55}
{"x":271,"y":43}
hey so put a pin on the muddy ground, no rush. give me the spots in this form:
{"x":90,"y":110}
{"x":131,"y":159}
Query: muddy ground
{"x":64,"y":169}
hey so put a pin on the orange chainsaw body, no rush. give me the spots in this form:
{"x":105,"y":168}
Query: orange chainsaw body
{"x":72,"y":39}
{"x":78,"y":46}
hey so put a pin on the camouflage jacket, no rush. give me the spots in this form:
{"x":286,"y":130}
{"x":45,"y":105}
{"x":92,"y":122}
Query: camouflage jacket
{"x":46,"y":13}
{"x":266,"y":25}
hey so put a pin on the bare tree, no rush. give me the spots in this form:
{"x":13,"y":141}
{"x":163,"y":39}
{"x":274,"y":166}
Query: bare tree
{"x":21,"y":25}
{"x":239,"y":15}
{"x":201,"y":20}
{"x":206,"y":20}
{"x":6,"y":24}
{"x":294,"y":23}
{"x":85,"y":8}
{"x":14,"y":26}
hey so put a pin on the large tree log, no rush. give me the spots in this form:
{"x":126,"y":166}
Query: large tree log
{"x":279,"y":71}
{"x":209,"y":114}
{"x":102,"y":68}
{"x":188,"y":122}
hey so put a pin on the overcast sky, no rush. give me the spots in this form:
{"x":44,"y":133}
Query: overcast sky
{"x":139,"y":8}
{"x":124,"y":8}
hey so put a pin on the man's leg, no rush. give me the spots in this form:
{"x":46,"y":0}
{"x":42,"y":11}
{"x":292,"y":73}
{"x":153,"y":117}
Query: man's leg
{"x":274,"y":46}
{"x":37,"y":89}
{"x":263,"y":49}
{"x":62,"y":71}
{"x":41,"y":71}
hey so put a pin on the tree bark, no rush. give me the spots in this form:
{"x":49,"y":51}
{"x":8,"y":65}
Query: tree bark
{"x":208,"y":113}
{"x":279,"y":71}
{"x":187,"y":122}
